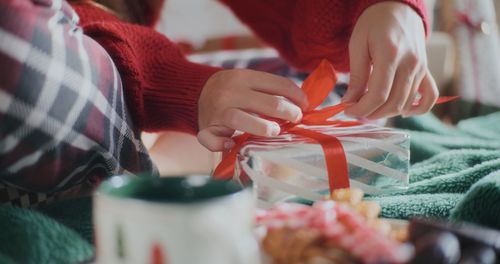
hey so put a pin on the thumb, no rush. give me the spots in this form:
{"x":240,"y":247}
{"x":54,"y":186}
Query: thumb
{"x":359,"y":60}
{"x":216,"y":138}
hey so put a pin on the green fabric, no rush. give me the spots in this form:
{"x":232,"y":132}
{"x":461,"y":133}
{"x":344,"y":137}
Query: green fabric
{"x":29,"y":236}
{"x":455,"y":173}
{"x":430,"y":137}
{"x":481,"y":204}
{"x":75,"y":214}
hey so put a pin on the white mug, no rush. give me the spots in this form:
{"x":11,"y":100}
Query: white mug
{"x":180,"y":220}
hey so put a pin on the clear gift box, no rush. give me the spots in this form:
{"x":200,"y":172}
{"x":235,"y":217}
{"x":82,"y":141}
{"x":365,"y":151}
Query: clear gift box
{"x":293,"y":167}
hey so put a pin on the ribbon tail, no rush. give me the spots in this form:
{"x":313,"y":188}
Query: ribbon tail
{"x":445,"y":99}
{"x":225,"y":169}
{"x":440,"y":100}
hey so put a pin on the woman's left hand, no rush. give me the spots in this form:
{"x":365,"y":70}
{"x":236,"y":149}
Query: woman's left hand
{"x":389,"y":36}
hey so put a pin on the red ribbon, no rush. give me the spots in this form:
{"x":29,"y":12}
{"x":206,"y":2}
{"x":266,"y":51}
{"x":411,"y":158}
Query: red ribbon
{"x":317,"y":87}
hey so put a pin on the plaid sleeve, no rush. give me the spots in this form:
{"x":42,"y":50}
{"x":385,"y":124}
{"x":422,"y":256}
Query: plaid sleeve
{"x":64,"y":124}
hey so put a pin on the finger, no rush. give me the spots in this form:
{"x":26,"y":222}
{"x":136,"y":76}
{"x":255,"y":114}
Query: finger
{"x":399,"y":94}
{"x":277,"y":85}
{"x":271,"y":106}
{"x":216,"y":138}
{"x":240,"y":120}
{"x":429,"y":95}
{"x":414,"y":92}
{"x":379,"y":87}
{"x":360,"y":64}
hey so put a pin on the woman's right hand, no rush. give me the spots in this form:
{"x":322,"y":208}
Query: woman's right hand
{"x":240,"y":100}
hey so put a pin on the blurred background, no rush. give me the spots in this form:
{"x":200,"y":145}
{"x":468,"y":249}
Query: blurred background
{"x":463,"y":53}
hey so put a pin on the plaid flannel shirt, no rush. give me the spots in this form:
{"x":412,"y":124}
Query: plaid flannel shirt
{"x":63,"y":120}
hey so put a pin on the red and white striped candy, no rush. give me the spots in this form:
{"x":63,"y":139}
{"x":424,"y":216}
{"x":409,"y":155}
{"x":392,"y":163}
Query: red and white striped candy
{"x":338,"y":223}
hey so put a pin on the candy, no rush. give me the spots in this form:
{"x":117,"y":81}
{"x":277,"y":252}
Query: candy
{"x":272,"y":242}
{"x":344,"y":229}
{"x":381,"y":226}
{"x":437,"y":248}
{"x":478,"y":255}
{"x":302,"y":239}
{"x":296,"y":246}
{"x":368,"y":209}
{"x":400,"y":234}
{"x":468,"y":234}
{"x":340,"y":227}
{"x":351,"y":196}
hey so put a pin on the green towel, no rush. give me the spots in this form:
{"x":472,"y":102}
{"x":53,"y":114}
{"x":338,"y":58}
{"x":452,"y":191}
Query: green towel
{"x":429,"y":136}
{"x":75,"y":214}
{"x":455,"y":173}
{"x":481,"y":204}
{"x":440,"y":183}
{"x":29,"y":236}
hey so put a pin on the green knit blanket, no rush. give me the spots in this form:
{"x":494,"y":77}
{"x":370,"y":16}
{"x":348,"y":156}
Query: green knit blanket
{"x":455,"y":173}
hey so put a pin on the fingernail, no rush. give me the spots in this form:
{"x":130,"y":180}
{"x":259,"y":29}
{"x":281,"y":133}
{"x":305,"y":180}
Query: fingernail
{"x":229,"y":144}
{"x":275,"y":129}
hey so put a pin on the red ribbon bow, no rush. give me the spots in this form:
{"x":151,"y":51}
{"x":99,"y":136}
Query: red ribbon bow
{"x":317,"y":87}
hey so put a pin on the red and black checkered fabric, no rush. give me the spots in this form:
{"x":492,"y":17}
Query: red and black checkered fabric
{"x":64,"y":124}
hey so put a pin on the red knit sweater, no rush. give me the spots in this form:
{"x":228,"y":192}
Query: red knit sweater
{"x":162,"y":87}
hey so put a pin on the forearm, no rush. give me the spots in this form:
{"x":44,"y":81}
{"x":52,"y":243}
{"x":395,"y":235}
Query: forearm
{"x":161,"y":87}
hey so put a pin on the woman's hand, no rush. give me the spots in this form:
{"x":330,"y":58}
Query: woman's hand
{"x":389,"y":36}
{"x":239,"y":99}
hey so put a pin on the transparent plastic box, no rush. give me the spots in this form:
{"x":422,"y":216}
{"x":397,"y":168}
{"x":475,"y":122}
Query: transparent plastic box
{"x":289,"y":166}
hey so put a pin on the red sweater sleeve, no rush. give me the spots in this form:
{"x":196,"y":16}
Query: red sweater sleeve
{"x":161,"y":87}
{"x":306,"y":31}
